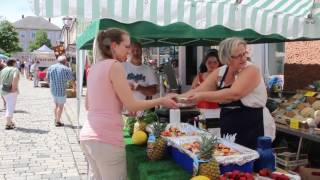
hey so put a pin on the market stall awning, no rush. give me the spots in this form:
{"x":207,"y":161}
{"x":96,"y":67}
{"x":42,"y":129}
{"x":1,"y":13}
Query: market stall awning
{"x":282,"y":18}
{"x":178,"y":34}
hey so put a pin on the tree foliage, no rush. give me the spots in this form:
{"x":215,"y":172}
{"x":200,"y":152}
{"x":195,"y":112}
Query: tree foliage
{"x":9,"y":41}
{"x":41,"y":38}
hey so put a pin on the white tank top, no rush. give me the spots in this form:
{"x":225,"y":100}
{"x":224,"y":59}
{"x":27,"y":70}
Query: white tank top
{"x":257,"y":98}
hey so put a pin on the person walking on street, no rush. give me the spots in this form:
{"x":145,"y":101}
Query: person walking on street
{"x":22,"y":68}
{"x":9,"y":78}
{"x":34,"y":69}
{"x":58,"y":75}
{"x":101,"y":136}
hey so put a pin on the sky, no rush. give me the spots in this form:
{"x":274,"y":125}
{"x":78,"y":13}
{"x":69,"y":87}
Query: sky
{"x":12,"y":10}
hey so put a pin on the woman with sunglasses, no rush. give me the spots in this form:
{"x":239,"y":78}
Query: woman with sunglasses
{"x":240,"y":90}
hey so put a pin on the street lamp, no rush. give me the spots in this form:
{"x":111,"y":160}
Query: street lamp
{"x":67,"y":21}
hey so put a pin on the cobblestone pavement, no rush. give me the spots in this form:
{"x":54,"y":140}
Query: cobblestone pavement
{"x":37,"y":149}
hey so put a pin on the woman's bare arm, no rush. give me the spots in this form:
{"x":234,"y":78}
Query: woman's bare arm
{"x":247,"y":81}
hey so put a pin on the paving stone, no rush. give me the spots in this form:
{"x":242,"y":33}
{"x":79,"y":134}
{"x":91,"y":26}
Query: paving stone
{"x":37,"y":149}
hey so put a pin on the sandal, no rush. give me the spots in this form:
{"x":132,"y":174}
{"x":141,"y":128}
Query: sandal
{"x":58,"y":124}
{"x":10,"y":126}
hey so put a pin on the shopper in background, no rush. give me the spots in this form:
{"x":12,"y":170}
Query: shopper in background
{"x":2,"y":66}
{"x":210,"y":63}
{"x":58,"y":75}
{"x":141,"y":78}
{"x":34,"y":69}
{"x":9,"y":79}
{"x":107,"y":91}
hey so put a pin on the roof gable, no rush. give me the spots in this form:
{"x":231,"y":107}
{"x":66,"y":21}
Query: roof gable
{"x":33,"y":22}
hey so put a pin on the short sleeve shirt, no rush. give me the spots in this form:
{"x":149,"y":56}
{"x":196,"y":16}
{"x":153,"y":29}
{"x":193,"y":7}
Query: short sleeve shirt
{"x":58,"y":76}
{"x":142,"y":75}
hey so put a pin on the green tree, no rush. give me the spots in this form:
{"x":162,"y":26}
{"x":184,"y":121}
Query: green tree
{"x":41,"y":38}
{"x":9,"y":41}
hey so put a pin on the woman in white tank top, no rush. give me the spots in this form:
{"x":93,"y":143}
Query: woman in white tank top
{"x":239,"y":88}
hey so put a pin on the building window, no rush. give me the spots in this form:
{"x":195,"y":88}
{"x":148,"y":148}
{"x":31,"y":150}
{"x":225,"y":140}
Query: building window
{"x":22,"y":35}
{"x":33,"y":35}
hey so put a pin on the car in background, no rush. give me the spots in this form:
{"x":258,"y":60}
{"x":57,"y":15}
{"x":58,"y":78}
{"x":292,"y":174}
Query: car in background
{"x":42,"y":73}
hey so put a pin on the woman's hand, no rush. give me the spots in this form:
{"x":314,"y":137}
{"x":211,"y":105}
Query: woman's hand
{"x":168,"y":101}
{"x":194,"y":97}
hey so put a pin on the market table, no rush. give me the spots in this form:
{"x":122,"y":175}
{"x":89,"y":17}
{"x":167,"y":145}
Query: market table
{"x":299,"y":133}
{"x":140,"y":168}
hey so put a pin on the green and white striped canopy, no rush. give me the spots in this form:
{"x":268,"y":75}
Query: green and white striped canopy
{"x":285,"y":18}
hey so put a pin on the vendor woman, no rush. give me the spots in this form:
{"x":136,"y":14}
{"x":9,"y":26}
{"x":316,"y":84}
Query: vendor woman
{"x":239,"y":88}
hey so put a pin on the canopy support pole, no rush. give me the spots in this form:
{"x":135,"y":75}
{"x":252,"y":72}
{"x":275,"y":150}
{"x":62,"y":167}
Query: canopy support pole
{"x":160,"y":73}
{"x":79,"y":80}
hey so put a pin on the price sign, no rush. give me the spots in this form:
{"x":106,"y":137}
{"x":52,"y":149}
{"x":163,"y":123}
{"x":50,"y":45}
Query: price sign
{"x":310,"y":94}
{"x":294,"y":123}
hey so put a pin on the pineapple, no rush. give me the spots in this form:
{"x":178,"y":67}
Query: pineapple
{"x":140,"y":125}
{"x":210,"y":168}
{"x":143,"y":119}
{"x":156,"y":145}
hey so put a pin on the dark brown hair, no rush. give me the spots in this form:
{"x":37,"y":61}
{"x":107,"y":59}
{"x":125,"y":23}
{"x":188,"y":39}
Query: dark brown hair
{"x":11,"y":62}
{"x":211,"y":53}
{"x":106,"y":37}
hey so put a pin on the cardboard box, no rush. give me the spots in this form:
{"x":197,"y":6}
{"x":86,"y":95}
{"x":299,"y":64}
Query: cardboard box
{"x":309,"y":173}
{"x":71,"y":93}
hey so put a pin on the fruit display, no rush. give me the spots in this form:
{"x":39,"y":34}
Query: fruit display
{"x":172,"y":131}
{"x":209,"y":168}
{"x":200,"y":178}
{"x":276,"y":176}
{"x":316,"y":105}
{"x":194,"y":147}
{"x":236,"y":175}
{"x":156,"y":148}
{"x":183,"y":130}
{"x":219,"y":150}
{"x":299,"y":107}
{"x":140,"y":122}
{"x":223,"y":150}
{"x":307,"y":112}
{"x":139,"y":138}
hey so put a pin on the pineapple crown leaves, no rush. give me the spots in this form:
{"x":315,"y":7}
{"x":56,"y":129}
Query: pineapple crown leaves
{"x":130,"y":121}
{"x":147,"y":117}
{"x":158,"y":128}
{"x":207,"y":147}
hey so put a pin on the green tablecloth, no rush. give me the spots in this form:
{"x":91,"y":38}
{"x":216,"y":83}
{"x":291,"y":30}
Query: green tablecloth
{"x":140,"y":168}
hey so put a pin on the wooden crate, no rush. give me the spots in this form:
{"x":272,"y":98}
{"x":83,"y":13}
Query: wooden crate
{"x":287,"y":160}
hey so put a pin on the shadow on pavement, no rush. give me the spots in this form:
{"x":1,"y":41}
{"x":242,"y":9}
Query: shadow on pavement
{"x":37,"y":131}
{"x":21,"y":111}
{"x":71,"y":126}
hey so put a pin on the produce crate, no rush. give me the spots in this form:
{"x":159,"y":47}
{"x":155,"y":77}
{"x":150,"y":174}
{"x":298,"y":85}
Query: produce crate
{"x":71,"y":93}
{"x":287,"y":160}
{"x":186,"y":162}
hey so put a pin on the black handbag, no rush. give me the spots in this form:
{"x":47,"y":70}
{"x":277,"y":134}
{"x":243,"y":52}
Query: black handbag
{"x":6,"y":87}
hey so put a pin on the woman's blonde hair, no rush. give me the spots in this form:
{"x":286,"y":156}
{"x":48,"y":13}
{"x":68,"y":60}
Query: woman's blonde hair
{"x":102,"y":43}
{"x":227,"y":46}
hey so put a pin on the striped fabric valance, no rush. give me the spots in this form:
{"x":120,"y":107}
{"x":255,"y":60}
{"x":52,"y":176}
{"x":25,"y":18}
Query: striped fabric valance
{"x":284,"y":17}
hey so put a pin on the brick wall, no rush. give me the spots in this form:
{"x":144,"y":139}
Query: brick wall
{"x":302,"y":64}
{"x":298,"y":76}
